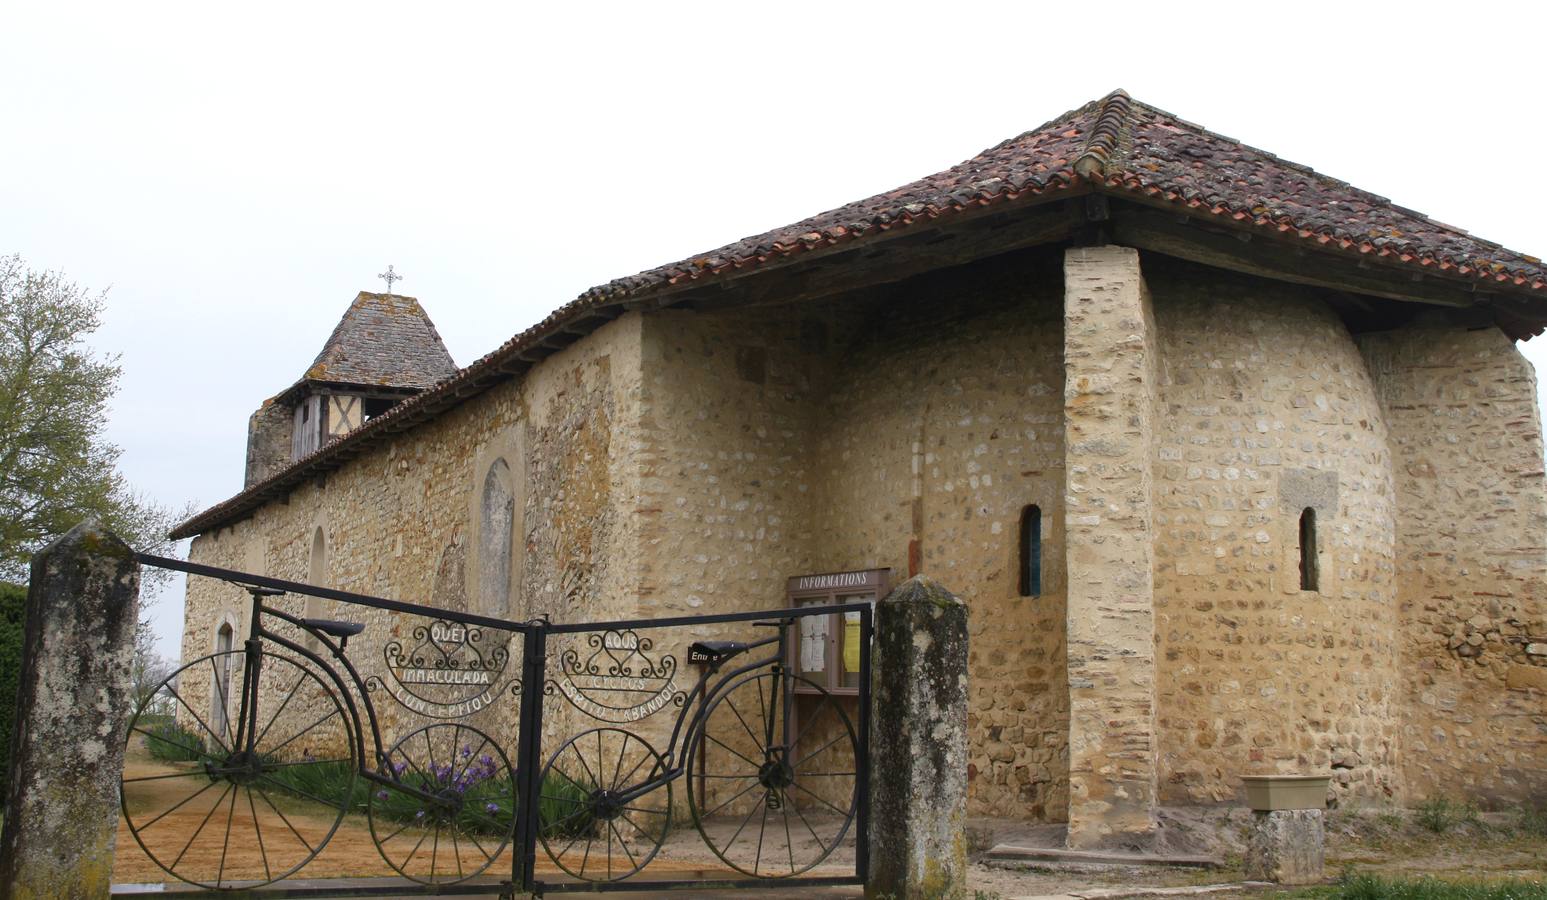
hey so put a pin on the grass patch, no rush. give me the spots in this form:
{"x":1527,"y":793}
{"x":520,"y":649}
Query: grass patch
{"x":1531,"y":821}
{"x":485,"y":793}
{"x":1439,"y":814}
{"x":1358,"y":886}
{"x":559,"y":805}
{"x":171,"y":742}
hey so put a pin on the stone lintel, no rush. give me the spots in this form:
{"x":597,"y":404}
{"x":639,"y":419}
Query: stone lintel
{"x":1110,"y":359}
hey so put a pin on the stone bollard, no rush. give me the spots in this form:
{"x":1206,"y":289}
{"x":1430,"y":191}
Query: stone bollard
{"x":1288,"y":837}
{"x":61,"y":812}
{"x":918,"y":745}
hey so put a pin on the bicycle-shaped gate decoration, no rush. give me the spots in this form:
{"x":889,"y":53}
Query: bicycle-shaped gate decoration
{"x":256,"y":755}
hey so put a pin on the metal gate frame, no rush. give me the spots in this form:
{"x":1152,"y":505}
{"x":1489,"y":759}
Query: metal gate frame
{"x":535,"y":675}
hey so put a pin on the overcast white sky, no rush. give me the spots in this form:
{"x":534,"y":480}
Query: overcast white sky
{"x":235,"y":173}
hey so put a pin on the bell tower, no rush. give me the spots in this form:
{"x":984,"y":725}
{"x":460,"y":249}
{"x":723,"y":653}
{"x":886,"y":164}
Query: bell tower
{"x":384,"y":350}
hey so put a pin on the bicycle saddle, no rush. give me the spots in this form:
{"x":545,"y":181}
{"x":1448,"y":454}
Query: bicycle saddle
{"x":714,"y":652}
{"x":335,"y":629}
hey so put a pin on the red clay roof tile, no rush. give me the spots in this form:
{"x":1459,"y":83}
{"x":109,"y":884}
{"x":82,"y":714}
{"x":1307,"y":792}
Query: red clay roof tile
{"x":1115,"y":145}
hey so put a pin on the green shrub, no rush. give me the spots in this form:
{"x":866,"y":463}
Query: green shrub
{"x":172,"y":742}
{"x":1532,"y":820}
{"x":561,"y":809}
{"x":13,"y":604}
{"x":1439,"y":815}
{"x":1374,"y":887}
{"x":485,"y":791}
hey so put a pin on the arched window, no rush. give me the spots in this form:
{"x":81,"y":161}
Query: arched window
{"x":1308,"y":549}
{"x":220,"y":691}
{"x":1031,"y":551}
{"x":317,"y":574}
{"x":497,"y":519}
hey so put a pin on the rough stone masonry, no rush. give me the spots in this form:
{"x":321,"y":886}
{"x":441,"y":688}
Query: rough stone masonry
{"x":1226,"y":494}
{"x":918,"y":748}
{"x":74,"y":702}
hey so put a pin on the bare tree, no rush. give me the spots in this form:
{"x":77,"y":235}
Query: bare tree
{"x":148,"y":669}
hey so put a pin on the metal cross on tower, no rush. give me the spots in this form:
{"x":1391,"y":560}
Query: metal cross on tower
{"x":390,"y":276}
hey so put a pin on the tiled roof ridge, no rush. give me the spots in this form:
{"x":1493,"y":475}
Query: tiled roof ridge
{"x":1106,"y":136}
{"x":1329,"y":180}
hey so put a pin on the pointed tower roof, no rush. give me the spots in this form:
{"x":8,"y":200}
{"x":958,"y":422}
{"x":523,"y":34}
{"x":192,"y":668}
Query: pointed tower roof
{"x":383,"y":341}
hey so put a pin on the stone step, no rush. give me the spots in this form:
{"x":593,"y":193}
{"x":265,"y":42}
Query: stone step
{"x":1012,"y":853}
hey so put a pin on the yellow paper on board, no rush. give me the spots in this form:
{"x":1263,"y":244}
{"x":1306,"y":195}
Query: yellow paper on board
{"x":851,"y":641}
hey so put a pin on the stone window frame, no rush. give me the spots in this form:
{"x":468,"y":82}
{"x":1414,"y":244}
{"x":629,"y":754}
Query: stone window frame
{"x":1306,"y":539}
{"x":315,"y":607}
{"x":226,"y":619}
{"x":508,"y":445}
{"x":1050,"y":540}
{"x":1029,"y":547}
{"x":1300,"y":490}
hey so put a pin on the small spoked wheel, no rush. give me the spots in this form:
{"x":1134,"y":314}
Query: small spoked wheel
{"x":773,"y":775}
{"x":225,"y":796}
{"x":603,"y":806}
{"x":444,"y":809}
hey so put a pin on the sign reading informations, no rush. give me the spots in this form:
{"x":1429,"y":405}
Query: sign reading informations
{"x":837,"y":581}
{"x":827,"y":648}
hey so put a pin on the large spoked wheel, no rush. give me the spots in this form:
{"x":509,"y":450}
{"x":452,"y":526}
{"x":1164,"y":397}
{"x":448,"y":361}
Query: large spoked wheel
{"x":446,"y":810}
{"x":226,"y":797}
{"x":601,"y":816}
{"x":773,"y":777}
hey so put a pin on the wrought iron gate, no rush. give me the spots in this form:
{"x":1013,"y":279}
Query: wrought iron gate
{"x":492,"y":756}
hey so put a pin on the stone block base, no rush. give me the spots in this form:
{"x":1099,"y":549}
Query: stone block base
{"x":1286,"y":846}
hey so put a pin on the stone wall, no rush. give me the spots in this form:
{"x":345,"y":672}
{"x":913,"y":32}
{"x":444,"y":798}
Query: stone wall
{"x":1267,"y":409}
{"x":725,"y":488}
{"x":1472,"y":518}
{"x":396,"y":522}
{"x":943,"y":422}
{"x":1109,"y":433}
{"x":689,"y":461}
{"x":268,"y":441}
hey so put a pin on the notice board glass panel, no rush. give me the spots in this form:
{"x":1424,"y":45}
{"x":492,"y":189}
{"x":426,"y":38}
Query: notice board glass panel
{"x":827,"y":648}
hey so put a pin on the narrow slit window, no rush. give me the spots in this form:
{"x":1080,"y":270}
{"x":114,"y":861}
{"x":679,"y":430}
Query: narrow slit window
{"x":1308,"y":549}
{"x":1031,"y":551}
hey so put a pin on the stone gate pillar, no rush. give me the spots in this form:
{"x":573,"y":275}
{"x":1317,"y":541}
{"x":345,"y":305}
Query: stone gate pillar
{"x":1110,"y":357}
{"x":918,"y":745}
{"x":67,"y":751}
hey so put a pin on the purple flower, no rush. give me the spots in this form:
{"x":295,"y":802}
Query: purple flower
{"x":419,"y":814}
{"x":399,"y":767}
{"x":467,"y":750}
{"x":381,"y":795}
{"x":492,"y":807}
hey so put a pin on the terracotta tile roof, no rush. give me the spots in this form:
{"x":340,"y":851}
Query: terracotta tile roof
{"x":383,"y":340}
{"x":1120,"y":145}
{"x":1115,"y":145}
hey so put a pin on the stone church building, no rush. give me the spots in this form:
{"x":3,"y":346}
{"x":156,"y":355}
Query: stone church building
{"x":1237,"y":466}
